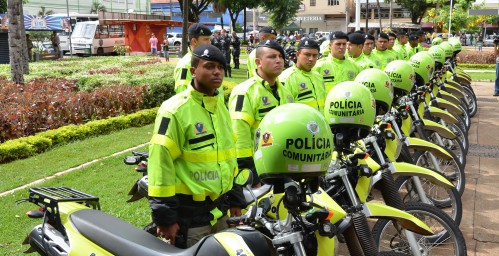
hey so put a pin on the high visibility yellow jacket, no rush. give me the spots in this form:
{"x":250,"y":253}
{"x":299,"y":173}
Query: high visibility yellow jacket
{"x":306,"y":87}
{"x":411,"y":51}
{"x":375,"y":59}
{"x":192,"y":151}
{"x":182,"y":72}
{"x":335,"y":71}
{"x":249,"y":102}
{"x":364,"y":62}
{"x":251,"y":63}
{"x":401,"y":49}
{"x":385,"y":57}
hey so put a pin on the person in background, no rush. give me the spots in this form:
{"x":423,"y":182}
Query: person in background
{"x":496,"y":84}
{"x":215,"y":40}
{"x":236,"y":49}
{"x":165,"y":48}
{"x":198,"y":34}
{"x":400,"y":45}
{"x":412,"y":46}
{"x":54,"y":38}
{"x":29,"y":45}
{"x":355,"y":45}
{"x":154,"y":44}
{"x":367,"y":50}
{"x":190,"y":192}
{"x":385,"y":56}
{"x":479,"y":42}
{"x":225,"y":42}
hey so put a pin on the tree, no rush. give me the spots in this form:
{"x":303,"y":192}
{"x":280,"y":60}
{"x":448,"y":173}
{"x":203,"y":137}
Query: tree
{"x":14,"y":8}
{"x":236,"y":6}
{"x":97,"y":7}
{"x":281,"y":11}
{"x":44,"y":12}
{"x":3,"y":5}
{"x":460,"y":18}
{"x":195,"y":8}
{"x":417,"y":8}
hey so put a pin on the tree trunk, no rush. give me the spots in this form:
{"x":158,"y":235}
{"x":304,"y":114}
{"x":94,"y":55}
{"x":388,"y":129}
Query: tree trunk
{"x":24,"y":43}
{"x":379,"y":16}
{"x":391,"y":14}
{"x":244,"y":26}
{"x":15,"y":45}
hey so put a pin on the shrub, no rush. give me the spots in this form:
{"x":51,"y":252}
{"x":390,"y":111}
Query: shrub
{"x":472,"y":57}
{"x":28,"y":146}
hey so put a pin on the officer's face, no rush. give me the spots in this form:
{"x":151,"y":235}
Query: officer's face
{"x":381,"y":44}
{"x":270,"y":62}
{"x":403,"y":39}
{"x":306,"y":58}
{"x":354,"y":50}
{"x":338,"y":48}
{"x":200,"y":41}
{"x":414,"y":43}
{"x":391,"y":42}
{"x":368,"y":46}
{"x":208,"y":75}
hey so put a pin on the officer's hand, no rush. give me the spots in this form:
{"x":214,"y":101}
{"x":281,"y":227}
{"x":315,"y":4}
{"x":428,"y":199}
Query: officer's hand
{"x":168,"y":232}
{"x":235,"y":211}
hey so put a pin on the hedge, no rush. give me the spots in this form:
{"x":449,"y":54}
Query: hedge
{"x":476,"y":66}
{"x":28,"y":146}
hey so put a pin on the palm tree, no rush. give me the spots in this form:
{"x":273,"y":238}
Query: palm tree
{"x":97,"y":7}
{"x":44,"y":12}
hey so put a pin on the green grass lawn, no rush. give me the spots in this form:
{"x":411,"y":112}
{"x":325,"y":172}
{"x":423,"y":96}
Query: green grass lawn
{"x":482,"y":75}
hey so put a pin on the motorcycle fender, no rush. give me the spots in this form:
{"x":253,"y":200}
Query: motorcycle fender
{"x":442,"y":114}
{"x":406,"y":125}
{"x":436,"y":127}
{"x":455,"y":85}
{"x":419,"y":144}
{"x":454,"y":90}
{"x":325,"y":245}
{"x":406,"y":169}
{"x":406,"y":220}
{"x":323,"y":199}
{"x":449,"y":97}
{"x":449,"y":106}
{"x":233,"y":244}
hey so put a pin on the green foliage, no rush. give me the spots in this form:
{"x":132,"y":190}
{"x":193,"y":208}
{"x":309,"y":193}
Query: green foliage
{"x":43,"y":11}
{"x":281,"y":12}
{"x":28,"y":146}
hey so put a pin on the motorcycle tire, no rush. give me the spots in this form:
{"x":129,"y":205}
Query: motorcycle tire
{"x":447,"y":238}
{"x":445,"y":199}
{"x":451,"y":169}
{"x":470,"y":98}
{"x":452,"y":145}
{"x":461,"y":135}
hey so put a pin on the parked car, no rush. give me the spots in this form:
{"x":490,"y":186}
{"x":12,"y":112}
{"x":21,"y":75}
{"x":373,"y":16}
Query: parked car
{"x":44,"y":47}
{"x":175,"y":39}
{"x":489,"y":40}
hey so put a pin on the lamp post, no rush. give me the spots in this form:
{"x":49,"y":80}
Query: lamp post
{"x":450,"y":16}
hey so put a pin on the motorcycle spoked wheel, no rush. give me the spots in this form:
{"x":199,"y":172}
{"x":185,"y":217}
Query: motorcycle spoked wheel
{"x":447,"y":238}
{"x":451,"y":169}
{"x":452,"y":145}
{"x":470,"y":99}
{"x":461,"y":135}
{"x":445,"y":199}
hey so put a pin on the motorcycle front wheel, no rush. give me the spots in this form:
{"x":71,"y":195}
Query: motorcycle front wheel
{"x":447,"y":238}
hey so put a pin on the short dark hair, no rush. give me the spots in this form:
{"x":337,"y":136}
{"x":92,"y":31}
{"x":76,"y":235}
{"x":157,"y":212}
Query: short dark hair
{"x":194,"y":61}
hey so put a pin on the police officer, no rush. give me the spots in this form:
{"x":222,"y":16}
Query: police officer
{"x":335,"y":68}
{"x":198,"y":35}
{"x":412,"y":46}
{"x":305,"y":85}
{"x":368,"y":50}
{"x":236,"y":49}
{"x":391,"y":43}
{"x":421,"y":38}
{"x":382,"y":52}
{"x":225,"y":47}
{"x":216,"y":40}
{"x":192,"y":158}
{"x":354,"y":46}
{"x":251,"y":100}
{"x":265,"y":33}
{"x":400,"y":45}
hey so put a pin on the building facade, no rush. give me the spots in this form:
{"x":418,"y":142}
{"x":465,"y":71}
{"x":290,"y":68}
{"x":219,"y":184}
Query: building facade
{"x":84,"y":6}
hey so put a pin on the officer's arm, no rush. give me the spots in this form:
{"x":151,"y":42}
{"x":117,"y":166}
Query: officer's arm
{"x":251,"y":64}
{"x":182,"y":75}
{"x":163,"y":150}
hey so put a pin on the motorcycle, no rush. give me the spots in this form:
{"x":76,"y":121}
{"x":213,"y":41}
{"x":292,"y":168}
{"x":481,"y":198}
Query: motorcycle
{"x":74,"y":225}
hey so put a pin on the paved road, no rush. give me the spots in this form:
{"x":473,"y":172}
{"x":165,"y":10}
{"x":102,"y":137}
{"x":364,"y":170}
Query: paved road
{"x":480,"y":223}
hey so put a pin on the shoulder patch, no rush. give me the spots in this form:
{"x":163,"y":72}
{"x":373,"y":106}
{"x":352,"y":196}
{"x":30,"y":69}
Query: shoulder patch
{"x":163,"y":127}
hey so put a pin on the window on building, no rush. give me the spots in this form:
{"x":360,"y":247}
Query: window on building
{"x":312,"y":2}
{"x":333,"y":2}
{"x":313,"y":30}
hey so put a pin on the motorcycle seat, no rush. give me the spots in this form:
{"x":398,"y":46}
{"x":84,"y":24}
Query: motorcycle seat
{"x":121,"y":238}
{"x":264,"y":189}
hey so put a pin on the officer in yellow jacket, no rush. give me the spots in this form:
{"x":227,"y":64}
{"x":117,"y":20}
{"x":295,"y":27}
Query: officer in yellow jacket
{"x":251,"y":100}
{"x":192,"y":157}
{"x":400,"y":45}
{"x":355,"y":45}
{"x":198,"y":35}
{"x":368,"y":50}
{"x":305,"y":85}
{"x":335,"y":68}
{"x":265,"y":33}
{"x":385,"y":56}
{"x":412,"y":47}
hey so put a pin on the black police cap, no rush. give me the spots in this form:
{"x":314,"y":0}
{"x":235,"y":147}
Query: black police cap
{"x":392,"y":34}
{"x":402,"y":33}
{"x":420,"y":32}
{"x":197,"y":29}
{"x":268,"y":30}
{"x":368,"y":37}
{"x":383,"y":35}
{"x":356,"y":38}
{"x":209,"y":52}
{"x":308,"y":44}
{"x":272,"y":44}
{"x":338,"y":35}
{"x":413,"y":37}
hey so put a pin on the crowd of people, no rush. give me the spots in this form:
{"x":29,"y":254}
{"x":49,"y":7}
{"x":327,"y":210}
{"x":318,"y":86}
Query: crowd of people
{"x":199,"y":143}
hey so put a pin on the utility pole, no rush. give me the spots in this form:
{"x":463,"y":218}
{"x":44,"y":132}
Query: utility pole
{"x":185,"y":20}
{"x":357,"y":16}
{"x":71,"y":30}
{"x":450,"y":16}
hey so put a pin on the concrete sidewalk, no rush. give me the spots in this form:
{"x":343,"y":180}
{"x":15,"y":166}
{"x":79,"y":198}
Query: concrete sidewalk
{"x":480,"y":224}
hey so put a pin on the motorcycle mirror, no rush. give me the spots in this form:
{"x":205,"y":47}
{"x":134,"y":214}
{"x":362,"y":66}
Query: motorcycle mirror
{"x":244,"y":177}
{"x":131,"y":160}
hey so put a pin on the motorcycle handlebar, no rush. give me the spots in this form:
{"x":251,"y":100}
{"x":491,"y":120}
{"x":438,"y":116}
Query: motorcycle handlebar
{"x":236,"y":220}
